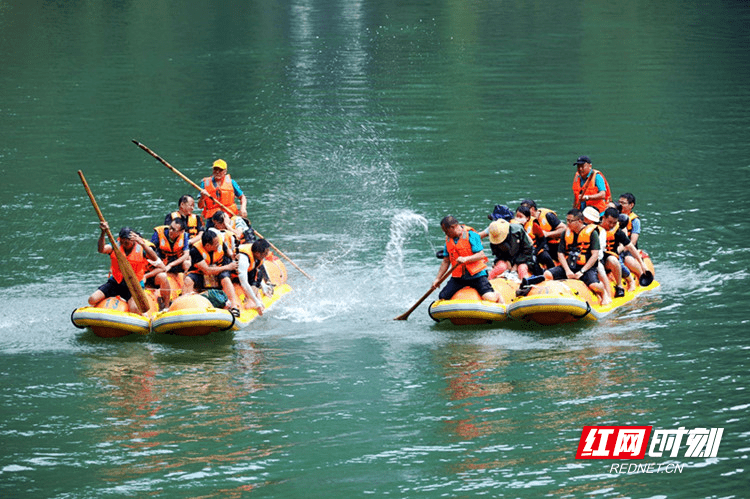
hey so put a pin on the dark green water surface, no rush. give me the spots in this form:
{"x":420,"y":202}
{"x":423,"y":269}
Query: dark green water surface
{"x":353,"y":127}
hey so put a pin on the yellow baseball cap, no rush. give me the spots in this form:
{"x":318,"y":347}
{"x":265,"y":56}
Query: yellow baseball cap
{"x":220,"y":163}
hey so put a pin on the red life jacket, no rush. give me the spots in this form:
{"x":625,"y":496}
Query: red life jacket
{"x":136,"y":258}
{"x":224,"y":193}
{"x":463,"y":248}
{"x":589,"y":189}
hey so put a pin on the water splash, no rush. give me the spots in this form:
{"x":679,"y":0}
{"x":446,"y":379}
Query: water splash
{"x":403,"y":224}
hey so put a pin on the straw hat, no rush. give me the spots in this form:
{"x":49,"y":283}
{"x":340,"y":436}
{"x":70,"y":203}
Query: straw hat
{"x":499,"y":231}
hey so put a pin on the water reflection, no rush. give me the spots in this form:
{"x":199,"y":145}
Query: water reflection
{"x":519,"y":410}
{"x":179,"y":415}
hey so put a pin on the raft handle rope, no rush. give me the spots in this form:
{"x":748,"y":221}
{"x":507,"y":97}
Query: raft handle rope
{"x":234,"y":319}
{"x":429,"y":311}
{"x":74,"y":322}
{"x":588,"y":311}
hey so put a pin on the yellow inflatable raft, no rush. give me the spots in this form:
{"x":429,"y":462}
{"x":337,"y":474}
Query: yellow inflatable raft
{"x":466,"y":306}
{"x":111,"y":318}
{"x":193,"y":315}
{"x":550,"y":302}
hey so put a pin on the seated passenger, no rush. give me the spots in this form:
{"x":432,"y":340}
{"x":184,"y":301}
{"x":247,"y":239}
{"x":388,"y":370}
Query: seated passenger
{"x":211,"y":268}
{"x":512,"y":248}
{"x":616,"y":238}
{"x":579,"y":255}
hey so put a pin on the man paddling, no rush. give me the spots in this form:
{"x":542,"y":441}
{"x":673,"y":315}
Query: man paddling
{"x":137,"y":250}
{"x":464,"y":246}
{"x":221,"y":186}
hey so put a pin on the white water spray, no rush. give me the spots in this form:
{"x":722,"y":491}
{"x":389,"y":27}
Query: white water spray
{"x":403,"y":225}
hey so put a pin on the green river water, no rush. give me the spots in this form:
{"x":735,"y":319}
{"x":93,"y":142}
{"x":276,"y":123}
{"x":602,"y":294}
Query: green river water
{"x":353,"y":127}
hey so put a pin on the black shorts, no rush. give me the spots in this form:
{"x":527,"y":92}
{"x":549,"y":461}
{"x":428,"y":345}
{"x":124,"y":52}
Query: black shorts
{"x":481,"y":284}
{"x":589,"y":277}
{"x":114,"y":288}
{"x":199,"y":281}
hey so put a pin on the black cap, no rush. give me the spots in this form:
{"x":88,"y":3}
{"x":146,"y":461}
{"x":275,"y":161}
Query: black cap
{"x":125,"y":233}
{"x":582,"y":159}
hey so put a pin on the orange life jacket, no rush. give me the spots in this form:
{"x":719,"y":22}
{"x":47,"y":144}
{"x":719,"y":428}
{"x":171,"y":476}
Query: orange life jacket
{"x":136,"y":258}
{"x":629,"y":228}
{"x":545,"y":225}
{"x":224,"y":193}
{"x":463,"y":248}
{"x":580,"y":242}
{"x":611,"y":238}
{"x":589,"y":189}
{"x":246,"y":249}
{"x":191,"y":221}
{"x":170,"y":249}
{"x":213,"y":258}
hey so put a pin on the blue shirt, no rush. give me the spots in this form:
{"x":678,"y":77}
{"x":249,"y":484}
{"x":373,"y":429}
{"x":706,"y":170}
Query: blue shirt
{"x":636,"y":226}
{"x":476,"y":247}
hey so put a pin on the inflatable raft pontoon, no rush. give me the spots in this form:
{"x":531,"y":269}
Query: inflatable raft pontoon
{"x":549,"y":302}
{"x":191,"y":315}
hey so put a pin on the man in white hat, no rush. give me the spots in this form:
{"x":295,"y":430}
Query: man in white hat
{"x":512,"y":248}
{"x":591,"y":215}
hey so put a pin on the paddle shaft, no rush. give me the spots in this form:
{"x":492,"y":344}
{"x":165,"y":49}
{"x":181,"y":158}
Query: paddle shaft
{"x":406,"y":314}
{"x":128,"y":274}
{"x":227,"y":210}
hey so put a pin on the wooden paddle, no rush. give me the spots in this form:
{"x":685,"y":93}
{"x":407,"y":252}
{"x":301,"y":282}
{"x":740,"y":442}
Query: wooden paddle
{"x":406,"y":314}
{"x":131,"y":280}
{"x":227,"y":210}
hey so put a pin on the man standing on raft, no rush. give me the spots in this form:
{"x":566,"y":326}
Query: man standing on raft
{"x":464,"y":246}
{"x":221,"y":186}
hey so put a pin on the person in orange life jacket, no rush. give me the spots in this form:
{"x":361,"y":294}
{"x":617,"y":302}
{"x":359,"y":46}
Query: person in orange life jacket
{"x":221,"y":186}
{"x":138,"y":252}
{"x":193,"y":223}
{"x":542,"y":258}
{"x":632,"y":230}
{"x":511,"y":246}
{"x":551,"y":225}
{"x":579,"y":254}
{"x":626,"y":205}
{"x":591,"y":216}
{"x":172,"y":246}
{"x":210,"y":264}
{"x":590,"y":188}
{"x":220,"y":223}
{"x":464,"y":246}
{"x":251,"y":273}
{"x":617,"y":238}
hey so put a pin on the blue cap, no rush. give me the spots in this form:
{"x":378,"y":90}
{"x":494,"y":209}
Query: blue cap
{"x":582,"y":159}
